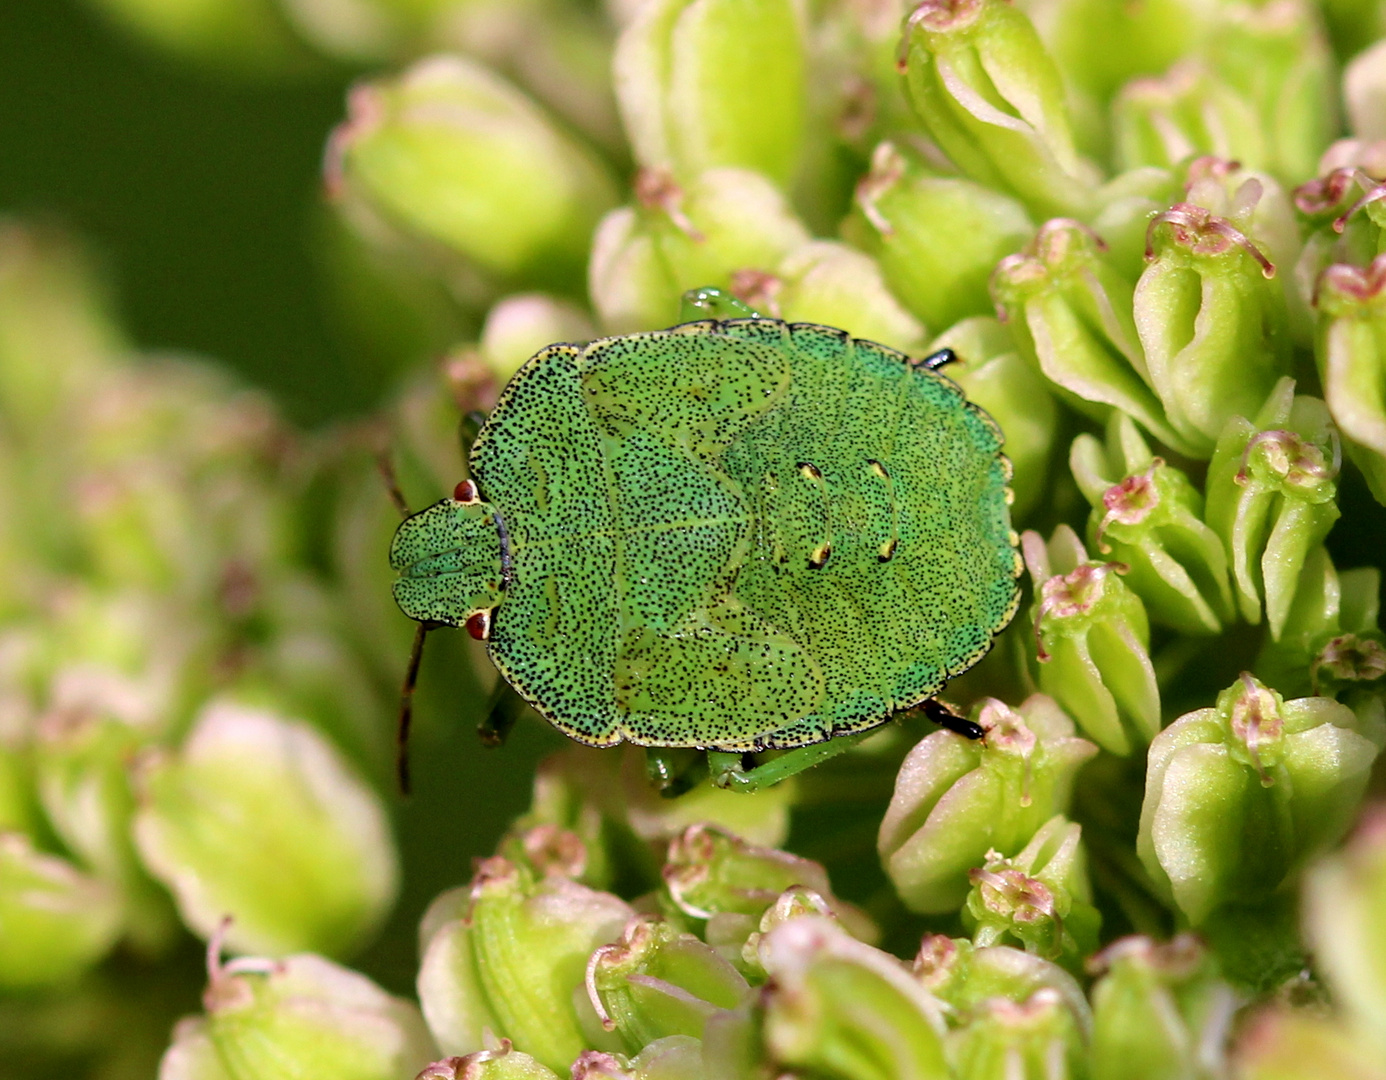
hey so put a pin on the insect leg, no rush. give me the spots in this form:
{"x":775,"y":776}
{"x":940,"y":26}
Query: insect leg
{"x":674,"y":770}
{"x":386,"y":468}
{"x":740,"y":772}
{"x":503,"y":711}
{"x":934,"y":361}
{"x":942,"y":715}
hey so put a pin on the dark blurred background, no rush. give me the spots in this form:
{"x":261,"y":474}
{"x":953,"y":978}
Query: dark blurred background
{"x":199,"y":192}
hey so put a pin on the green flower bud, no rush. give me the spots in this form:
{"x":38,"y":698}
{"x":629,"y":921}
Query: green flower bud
{"x":259,"y":817}
{"x":711,"y":872}
{"x":832,"y":284}
{"x":1272,"y":498}
{"x":1080,"y":33}
{"x":1277,"y":57}
{"x":964,"y":976}
{"x":55,"y":335}
{"x":1364,"y":91}
{"x":508,"y":955}
{"x":657,"y":982}
{"x":1351,"y":350}
{"x":709,"y":83}
{"x":55,"y":921}
{"x":1070,"y":311}
{"x":1214,"y":328}
{"x":1187,"y":111}
{"x":502,"y":1063}
{"x":519,"y":326}
{"x":1344,"y":897}
{"x":296,"y":1017}
{"x":676,"y":1057}
{"x":81,"y":762}
{"x":1240,"y":796}
{"x":1041,"y":897}
{"x":1150,"y":520}
{"x":990,"y":96}
{"x":956,"y":800}
{"x":1342,"y":211}
{"x":1285,"y":1044}
{"x":1159,"y":1011}
{"x":1258,"y":205}
{"x":681,"y":237}
{"x":838,"y":1007}
{"x":937,"y":238}
{"x":458,"y":157}
{"x":1330,"y":644}
{"x":1036,"y":1039}
{"x":996,"y":377}
{"x":241,"y":35}
{"x":1092,"y":642}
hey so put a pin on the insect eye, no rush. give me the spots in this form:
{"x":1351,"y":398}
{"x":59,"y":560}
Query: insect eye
{"x":466,"y":493}
{"x":479,"y":624}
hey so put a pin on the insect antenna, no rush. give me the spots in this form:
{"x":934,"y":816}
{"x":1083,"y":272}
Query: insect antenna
{"x":386,"y":468}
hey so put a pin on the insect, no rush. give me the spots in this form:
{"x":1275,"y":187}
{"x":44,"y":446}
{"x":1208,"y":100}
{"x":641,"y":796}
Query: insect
{"x":737,"y":535}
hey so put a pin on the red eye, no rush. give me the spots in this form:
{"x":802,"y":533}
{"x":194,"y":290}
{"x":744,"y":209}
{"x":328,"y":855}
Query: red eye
{"x":466,"y":492}
{"x":479,"y":625}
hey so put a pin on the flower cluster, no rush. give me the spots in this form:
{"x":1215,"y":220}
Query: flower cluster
{"x":1157,"y":245}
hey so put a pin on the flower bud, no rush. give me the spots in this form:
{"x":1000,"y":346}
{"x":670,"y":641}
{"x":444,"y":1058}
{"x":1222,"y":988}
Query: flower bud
{"x":836,"y":1006}
{"x":55,"y":334}
{"x":259,"y":817}
{"x":509,"y":956}
{"x":519,"y":326}
{"x":1150,"y":521}
{"x":937,"y":238}
{"x":965,"y":977}
{"x":1351,"y":350}
{"x":829,"y":283}
{"x":81,"y":762}
{"x":1272,"y":498}
{"x":1214,"y":327}
{"x":244,"y":36}
{"x":684,"y":236}
{"x":458,"y":157}
{"x":1189,"y":110}
{"x":296,"y":1017}
{"x":1093,"y":642}
{"x":675,"y":1057}
{"x":1070,"y":310}
{"x":55,"y":921}
{"x":1344,"y":897}
{"x":1265,"y":213}
{"x":995,"y":376}
{"x":709,"y":872}
{"x":1364,"y":90}
{"x":1286,"y":1044}
{"x":1330,"y":644}
{"x":959,"y":57}
{"x":657,"y":982}
{"x":956,"y":800}
{"x":1159,"y":1010}
{"x":1276,"y":56}
{"x":709,"y":83}
{"x":1240,"y":796}
{"x":1041,"y":897}
{"x":502,"y":1063}
{"x":1036,"y":1039}
{"x":1079,"y":34}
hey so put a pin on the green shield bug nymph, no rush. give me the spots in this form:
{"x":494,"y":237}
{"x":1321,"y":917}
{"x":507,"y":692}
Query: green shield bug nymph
{"x":733,"y":535}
